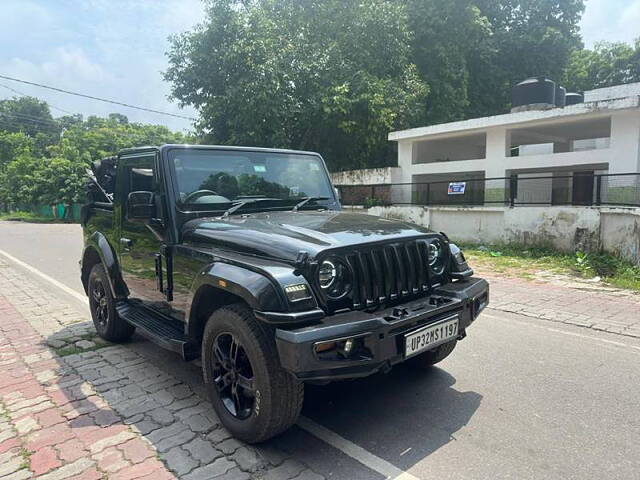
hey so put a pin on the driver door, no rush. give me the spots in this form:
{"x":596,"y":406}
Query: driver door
{"x":140,"y":239}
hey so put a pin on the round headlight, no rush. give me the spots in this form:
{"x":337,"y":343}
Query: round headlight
{"x":436,"y":257}
{"x":326,"y":274}
{"x":334,"y":278}
{"x":434,"y":252}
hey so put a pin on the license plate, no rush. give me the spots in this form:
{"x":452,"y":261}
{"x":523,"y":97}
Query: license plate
{"x":431,"y":336}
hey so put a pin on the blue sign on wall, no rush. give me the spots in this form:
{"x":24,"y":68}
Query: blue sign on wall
{"x":456,"y":188}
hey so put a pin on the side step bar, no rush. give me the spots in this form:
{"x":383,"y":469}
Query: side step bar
{"x":162,"y":330}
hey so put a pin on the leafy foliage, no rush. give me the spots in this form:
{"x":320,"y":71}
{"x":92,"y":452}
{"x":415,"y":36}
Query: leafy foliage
{"x":529,"y":261}
{"x":43,"y":160}
{"x":330,"y":76}
{"x":336,"y":76}
{"x":606,"y":65}
{"x":30,"y":116}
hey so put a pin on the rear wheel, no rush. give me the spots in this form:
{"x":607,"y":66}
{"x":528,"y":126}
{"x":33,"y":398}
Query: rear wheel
{"x":430,"y":358}
{"x":103,"y":308}
{"x":252,"y":394}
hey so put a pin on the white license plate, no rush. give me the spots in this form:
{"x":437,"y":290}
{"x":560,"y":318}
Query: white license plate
{"x":431,"y":336}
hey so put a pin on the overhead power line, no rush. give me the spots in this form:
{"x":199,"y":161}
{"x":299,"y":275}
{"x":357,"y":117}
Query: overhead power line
{"x":105,"y":100}
{"x":25,"y":95}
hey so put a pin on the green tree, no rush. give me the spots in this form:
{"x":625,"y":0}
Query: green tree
{"x":330,"y":76}
{"x":13,"y":144}
{"x":529,"y":38}
{"x":30,"y":116}
{"x":448,"y":37}
{"x":54,"y":172}
{"x":605,"y":65}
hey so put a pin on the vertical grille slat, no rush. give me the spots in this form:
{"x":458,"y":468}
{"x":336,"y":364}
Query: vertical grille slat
{"x":402,"y":271}
{"x":391,"y":273}
{"x":366,"y":290}
{"x":412,"y":268}
{"x":421,"y":247}
{"x":380,"y":283}
{"x":388,"y":272}
{"x":356,"y":281}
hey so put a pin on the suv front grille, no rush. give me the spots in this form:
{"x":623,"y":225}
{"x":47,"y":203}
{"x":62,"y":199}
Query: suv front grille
{"x":384,"y":273}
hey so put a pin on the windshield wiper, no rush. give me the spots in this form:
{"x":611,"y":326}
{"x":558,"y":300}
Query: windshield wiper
{"x":307,"y":200}
{"x":238,"y":205}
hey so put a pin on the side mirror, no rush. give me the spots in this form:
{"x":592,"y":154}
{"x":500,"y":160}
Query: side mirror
{"x":140,"y":206}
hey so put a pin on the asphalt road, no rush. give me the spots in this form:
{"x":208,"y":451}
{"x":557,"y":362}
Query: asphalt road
{"x":519,"y":398}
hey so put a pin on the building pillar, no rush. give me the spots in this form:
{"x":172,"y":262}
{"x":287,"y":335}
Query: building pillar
{"x":402,"y":193}
{"x":625,"y":142}
{"x":497,"y":162}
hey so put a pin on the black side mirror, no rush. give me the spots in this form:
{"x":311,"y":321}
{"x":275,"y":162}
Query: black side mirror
{"x":140,"y":206}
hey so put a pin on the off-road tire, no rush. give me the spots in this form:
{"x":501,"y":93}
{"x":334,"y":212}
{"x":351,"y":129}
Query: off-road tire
{"x":114,"y":329}
{"x":278,"y":394}
{"x":431,"y":357}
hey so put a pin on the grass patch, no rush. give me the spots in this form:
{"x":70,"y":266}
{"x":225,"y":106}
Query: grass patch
{"x":72,"y":349}
{"x":26,"y":456}
{"x":31,"y":217}
{"x":526,"y":261}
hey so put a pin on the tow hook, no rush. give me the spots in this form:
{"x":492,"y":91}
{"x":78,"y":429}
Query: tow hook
{"x":400,"y":312}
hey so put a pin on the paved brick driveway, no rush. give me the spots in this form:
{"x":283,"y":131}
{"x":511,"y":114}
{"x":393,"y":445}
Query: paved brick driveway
{"x":565,"y":300}
{"x":103,"y":411}
{"x":72,"y":406}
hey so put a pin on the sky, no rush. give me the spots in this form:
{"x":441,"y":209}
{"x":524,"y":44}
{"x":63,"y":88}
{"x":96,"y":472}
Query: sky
{"x":116,"y":49}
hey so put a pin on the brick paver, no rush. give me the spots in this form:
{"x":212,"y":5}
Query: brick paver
{"x":565,"y":300}
{"x":75,"y":407}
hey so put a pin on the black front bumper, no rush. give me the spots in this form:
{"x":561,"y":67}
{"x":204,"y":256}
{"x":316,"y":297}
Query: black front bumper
{"x":382,"y":332}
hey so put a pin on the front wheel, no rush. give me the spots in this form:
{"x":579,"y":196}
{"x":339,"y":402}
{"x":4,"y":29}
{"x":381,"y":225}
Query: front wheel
{"x":252,"y":394}
{"x":103,"y":308}
{"x":431,"y":357}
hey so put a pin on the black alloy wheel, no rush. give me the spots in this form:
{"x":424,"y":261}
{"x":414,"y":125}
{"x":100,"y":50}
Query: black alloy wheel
{"x":99,"y":303}
{"x":108,"y":323}
{"x":233,"y":376}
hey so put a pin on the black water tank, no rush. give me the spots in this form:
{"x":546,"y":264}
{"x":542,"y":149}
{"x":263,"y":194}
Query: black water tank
{"x":532,"y":91}
{"x":573,"y":98}
{"x":561,"y":94}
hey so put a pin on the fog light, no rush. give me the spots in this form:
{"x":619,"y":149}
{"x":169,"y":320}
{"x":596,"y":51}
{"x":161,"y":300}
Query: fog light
{"x":324,"y":346}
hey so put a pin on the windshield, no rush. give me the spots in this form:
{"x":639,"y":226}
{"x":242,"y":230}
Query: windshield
{"x":213,"y":179}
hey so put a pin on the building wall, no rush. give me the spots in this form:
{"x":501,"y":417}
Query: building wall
{"x":367,"y":176}
{"x":615,"y":230}
{"x":622,"y":156}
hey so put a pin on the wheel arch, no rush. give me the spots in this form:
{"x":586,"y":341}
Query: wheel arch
{"x":220,"y":284}
{"x":98,"y":250}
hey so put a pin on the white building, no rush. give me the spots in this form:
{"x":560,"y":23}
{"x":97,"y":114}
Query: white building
{"x":562,"y":145}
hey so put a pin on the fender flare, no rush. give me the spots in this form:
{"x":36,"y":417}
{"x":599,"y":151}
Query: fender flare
{"x":98,"y":242}
{"x":257,"y":289}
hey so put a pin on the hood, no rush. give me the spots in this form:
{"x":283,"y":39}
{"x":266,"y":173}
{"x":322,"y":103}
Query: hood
{"x":284,"y":234}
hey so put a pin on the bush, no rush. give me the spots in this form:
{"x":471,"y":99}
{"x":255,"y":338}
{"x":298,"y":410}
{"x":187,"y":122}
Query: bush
{"x":375,"y":202}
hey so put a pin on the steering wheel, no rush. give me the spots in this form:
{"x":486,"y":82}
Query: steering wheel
{"x":197,"y":194}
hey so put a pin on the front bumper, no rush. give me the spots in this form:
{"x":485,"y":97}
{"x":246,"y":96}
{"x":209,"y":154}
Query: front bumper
{"x":382,"y":332}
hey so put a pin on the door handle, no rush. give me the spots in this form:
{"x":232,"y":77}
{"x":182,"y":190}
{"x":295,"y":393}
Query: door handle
{"x":126,"y":242}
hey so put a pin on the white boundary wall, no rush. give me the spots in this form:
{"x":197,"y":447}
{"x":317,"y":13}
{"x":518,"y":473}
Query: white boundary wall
{"x":615,"y":230}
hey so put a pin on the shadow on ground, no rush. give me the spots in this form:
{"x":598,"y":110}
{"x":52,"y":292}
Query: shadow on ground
{"x":403,"y":416}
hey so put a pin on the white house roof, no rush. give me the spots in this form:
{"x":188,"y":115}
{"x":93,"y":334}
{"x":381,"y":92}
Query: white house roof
{"x":598,"y":101}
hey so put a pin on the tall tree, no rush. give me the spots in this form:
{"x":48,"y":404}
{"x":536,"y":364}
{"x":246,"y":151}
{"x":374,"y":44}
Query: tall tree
{"x":326,"y":75}
{"x":530,"y":38}
{"x":605,"y":65}
{"x":448,"y":37}
{"x":30,"y":116}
